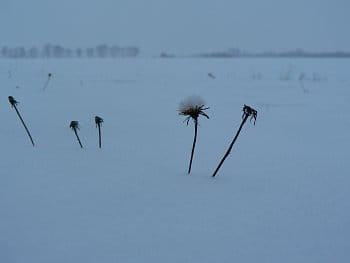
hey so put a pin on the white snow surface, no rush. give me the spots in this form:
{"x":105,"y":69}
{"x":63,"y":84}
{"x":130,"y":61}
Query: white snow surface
{"x":281,"y":196}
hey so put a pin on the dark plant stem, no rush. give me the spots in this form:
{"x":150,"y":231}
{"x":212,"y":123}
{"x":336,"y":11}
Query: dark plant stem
{"x":46,"y":83}
{"x":25,"y":126}
{"x":76,"y":134}
{"x":194,"y":144}
{"x":99,"y":134}
{"x":231,"y":145}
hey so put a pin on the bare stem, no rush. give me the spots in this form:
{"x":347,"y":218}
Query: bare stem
{"x":194,"y":144}
{"x":46,"y":83}
{"x":76,"y":134}
{"x":99,"y":134}
{"x":231,"y":145}
{"x":25,"y":126}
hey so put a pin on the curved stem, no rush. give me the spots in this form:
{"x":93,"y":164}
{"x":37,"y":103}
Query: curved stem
{"x":25,"y":126}
{"x":194,"y":144}
{"x":231,"y":145}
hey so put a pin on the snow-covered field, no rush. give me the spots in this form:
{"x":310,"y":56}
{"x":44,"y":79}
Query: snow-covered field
{"x":283,"y":195}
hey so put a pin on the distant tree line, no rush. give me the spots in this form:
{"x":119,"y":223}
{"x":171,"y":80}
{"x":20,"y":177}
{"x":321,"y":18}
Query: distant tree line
{"x":297,"y":53}
{"x":58,"y":51}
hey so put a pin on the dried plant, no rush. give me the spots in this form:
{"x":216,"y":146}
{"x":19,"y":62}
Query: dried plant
{"x":247,"y":112}
{"x":49,"y":76}
{"x":14,"y":103}
{"x":193,"y":107}
{"x":74,"y":125}
{"x":98,"y":121}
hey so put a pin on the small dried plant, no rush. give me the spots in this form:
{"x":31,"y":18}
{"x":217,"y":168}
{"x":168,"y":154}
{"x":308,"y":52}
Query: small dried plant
{"x":14,"y":104}
{"x":49,"y":76}
{"x":193,"y":107}
{"x":74,"y":125}
{"x":99,"y":121}
{"x":247,"y":112}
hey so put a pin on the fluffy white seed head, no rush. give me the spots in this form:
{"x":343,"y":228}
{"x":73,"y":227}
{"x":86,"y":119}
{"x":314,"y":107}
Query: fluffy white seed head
{"x":191,"y":103}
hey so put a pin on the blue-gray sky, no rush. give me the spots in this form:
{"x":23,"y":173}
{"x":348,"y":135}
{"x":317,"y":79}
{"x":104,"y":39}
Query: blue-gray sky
{"x":180,"y":26}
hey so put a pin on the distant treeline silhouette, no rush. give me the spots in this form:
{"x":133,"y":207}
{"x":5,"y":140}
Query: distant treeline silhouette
{"x":57,"y":51}
{"x":297,"y":53}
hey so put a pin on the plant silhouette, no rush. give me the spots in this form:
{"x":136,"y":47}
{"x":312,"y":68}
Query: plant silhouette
{"x":49,"y":76}
{"x":74,"y":125}
{"x":193,"y":107}
{"x":98,"y":121}
{"x":14,"y":103}
{"x":247,"y":112}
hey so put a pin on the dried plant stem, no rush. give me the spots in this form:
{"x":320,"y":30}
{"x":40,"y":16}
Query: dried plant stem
{"x":98,"y":121}
{"x":194,"y":144}
{"x":47,"y":81}
{"x":76,"y":134}
{"x":231,"y":145}
{"x":13,"y":103}
{"x":99,"y":134}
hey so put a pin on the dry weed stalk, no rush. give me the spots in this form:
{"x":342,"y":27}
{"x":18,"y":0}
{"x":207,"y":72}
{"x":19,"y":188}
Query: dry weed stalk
{"x":74,"y":125}
{"x":193,"y":107}
{"x":247,"y":112}
{"x":14,"y":103}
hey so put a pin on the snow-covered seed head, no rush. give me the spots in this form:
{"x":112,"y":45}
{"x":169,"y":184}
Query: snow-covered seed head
{"x":192,"y":107}
{"x":74,"y":125}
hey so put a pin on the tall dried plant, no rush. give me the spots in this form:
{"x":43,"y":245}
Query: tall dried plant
{"x":14,"y":104}
{"x":193,"y":107}
{"x":99,"y":121}
{"x":74,"y":125}
{"x":247,"y":112}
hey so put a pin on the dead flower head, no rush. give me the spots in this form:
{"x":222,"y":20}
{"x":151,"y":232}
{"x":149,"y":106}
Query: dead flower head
{"x":74,"y":125}
{"x":249,"y":112}
{"x":12,"y":101}
{"x":192,"y":107}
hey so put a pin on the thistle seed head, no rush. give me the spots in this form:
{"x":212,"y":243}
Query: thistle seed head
{"x":192,"y":107}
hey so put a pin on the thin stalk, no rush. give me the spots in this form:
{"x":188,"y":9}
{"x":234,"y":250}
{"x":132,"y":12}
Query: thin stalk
{"x":98,"y":121}
{"x":194,"y":144}
{"x":13,"y":103}
{"x":231,"y":145}
{"x":76,"y":134}
{"x":99,"y":134}
{"x":74,"y":125}
{"x":47,"y":81}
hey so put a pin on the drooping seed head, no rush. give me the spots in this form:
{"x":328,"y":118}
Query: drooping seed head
{"x":248,"y":111}
{"x":74,"y":125}
{"x":192,"y":107}
{"x":12,"y":101}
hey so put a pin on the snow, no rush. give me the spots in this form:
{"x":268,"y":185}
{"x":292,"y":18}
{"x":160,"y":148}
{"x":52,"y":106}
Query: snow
{"x":281,"y":196}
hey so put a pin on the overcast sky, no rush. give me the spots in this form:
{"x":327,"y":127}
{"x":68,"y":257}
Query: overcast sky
{"x":180,"y":26}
